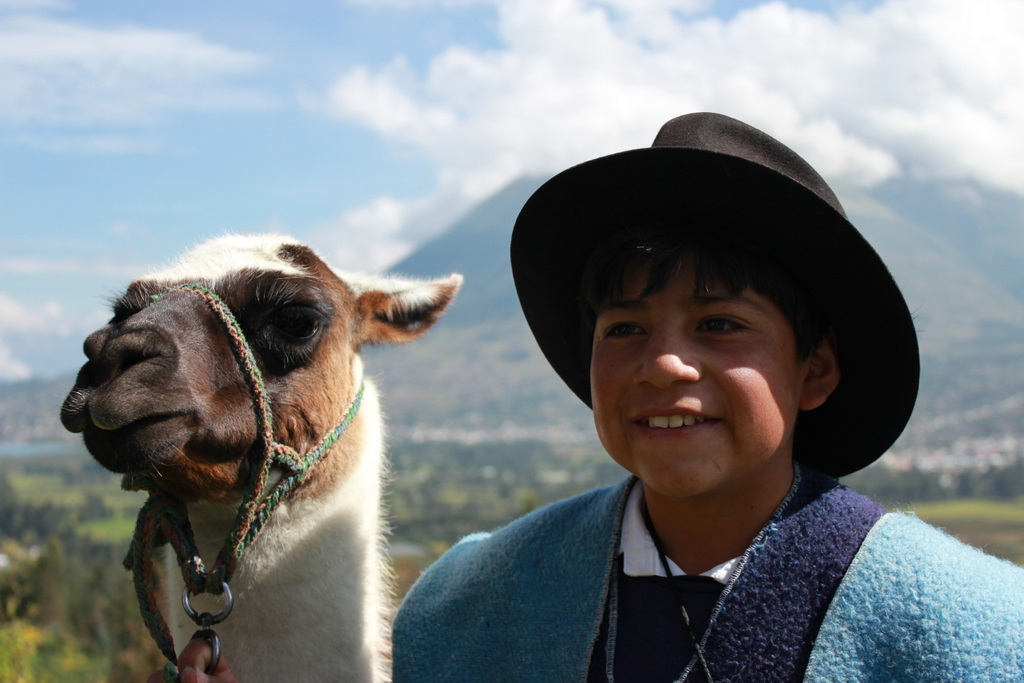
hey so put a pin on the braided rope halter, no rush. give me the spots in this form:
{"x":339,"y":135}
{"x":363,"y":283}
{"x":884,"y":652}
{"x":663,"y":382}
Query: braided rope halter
{"x":164,"y":518}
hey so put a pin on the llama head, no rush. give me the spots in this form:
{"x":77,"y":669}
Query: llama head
{"x":161,"y":392}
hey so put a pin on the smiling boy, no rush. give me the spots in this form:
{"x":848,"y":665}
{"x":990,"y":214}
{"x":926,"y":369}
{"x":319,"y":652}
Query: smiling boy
{"x":741,"y":345}
{"x":696,"y":391}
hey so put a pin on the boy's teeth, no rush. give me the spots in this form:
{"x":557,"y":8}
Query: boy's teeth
{"x":664,"y":422}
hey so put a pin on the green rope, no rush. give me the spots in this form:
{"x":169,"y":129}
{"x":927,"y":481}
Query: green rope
{"x":163,"y":519}
{"x":170,"y":673}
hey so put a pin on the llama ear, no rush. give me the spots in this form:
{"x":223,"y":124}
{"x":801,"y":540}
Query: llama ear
{"x":394,"y":311}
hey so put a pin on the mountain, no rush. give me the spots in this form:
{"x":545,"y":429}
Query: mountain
{"x":479,"y":372}
{"x":964,"y":300}
{"x":985,"y":227}
{"x":957,"y":252}
{"x":477,"y":246}
{"x":30,"y":410}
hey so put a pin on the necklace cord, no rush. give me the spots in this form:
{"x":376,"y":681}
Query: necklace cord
{"x":675,"y":589}
{"x":163,"y":518}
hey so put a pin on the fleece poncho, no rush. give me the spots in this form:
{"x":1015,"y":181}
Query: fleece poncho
{"x":832,"y":589}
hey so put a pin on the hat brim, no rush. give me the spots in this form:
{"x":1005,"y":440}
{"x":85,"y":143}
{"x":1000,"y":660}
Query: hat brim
{"x":570,"y":215}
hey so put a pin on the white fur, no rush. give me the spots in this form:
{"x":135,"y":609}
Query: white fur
{"x":216,"y":259}
{"x":311,"y":595}
{"x":411,"y":293}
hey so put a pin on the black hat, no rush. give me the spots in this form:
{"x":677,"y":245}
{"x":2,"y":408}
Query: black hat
{"x":726,"y":178}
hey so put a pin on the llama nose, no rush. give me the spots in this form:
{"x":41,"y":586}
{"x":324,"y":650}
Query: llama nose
{"x":98,"y":397}
{"x":125,"y":351}
{"x":94,"y":344}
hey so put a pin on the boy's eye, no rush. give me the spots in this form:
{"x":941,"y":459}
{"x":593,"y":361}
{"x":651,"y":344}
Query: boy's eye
{"x":720,"y":325}
{"x":623,"y":330}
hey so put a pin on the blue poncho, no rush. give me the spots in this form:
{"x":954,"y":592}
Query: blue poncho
{"x":831,"y":590}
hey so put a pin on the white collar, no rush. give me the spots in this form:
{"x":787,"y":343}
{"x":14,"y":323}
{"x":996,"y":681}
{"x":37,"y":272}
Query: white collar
{"x":641,"y":555}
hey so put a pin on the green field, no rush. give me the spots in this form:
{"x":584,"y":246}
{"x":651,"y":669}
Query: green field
{"x":65,"y":524}
{"x":40,"y":489}
{"x":996,"y":527}
{"x":440,"y":492}
{"x":90,"y":498}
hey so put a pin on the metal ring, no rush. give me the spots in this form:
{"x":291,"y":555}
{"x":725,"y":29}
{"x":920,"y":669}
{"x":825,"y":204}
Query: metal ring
{"x":210,"y":637}
{"x":205,"y":619}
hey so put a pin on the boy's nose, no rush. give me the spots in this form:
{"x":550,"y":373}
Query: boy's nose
{"x":667,"y":363}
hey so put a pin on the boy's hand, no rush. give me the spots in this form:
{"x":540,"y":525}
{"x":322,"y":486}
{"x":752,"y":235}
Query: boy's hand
{"x":192,"y":663}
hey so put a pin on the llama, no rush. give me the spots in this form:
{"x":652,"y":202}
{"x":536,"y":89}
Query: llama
{"x":162,"y":394}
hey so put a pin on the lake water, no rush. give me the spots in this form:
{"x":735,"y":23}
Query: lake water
{"x":37,"y":448}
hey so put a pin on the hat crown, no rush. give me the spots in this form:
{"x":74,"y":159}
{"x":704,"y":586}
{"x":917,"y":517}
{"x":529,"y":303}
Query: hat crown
{"x":725,"y":135}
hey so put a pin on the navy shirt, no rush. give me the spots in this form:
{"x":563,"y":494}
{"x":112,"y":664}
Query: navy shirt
{"x":651,"y":642}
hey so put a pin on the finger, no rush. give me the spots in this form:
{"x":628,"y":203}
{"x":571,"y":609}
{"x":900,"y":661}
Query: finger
{"x":193,"y":660}
{"x":196,"y":655}
{"x":221,"y":675}
{"x":155,"y":677}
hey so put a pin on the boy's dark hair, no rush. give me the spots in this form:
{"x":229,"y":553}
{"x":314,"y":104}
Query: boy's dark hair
{"x":660,"y":250}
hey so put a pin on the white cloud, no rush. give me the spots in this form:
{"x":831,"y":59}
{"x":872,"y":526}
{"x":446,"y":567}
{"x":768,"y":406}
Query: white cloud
{"x":367,"y":239}
{"x":61,"y":72}
{"x":923,"y":87}
{"x":22,"y":322}
{"x":11,"y":369}
{"x":80,"y":266}
{"x":16,"y":317}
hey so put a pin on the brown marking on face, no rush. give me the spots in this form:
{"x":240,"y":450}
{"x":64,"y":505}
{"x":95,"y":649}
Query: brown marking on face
{"x":311,"y":401}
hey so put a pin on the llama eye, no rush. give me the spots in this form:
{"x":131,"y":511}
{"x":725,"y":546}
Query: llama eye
{"x":301,"y":322}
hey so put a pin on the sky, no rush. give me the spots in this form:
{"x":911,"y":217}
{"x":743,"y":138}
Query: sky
{"x":130,"y":130}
